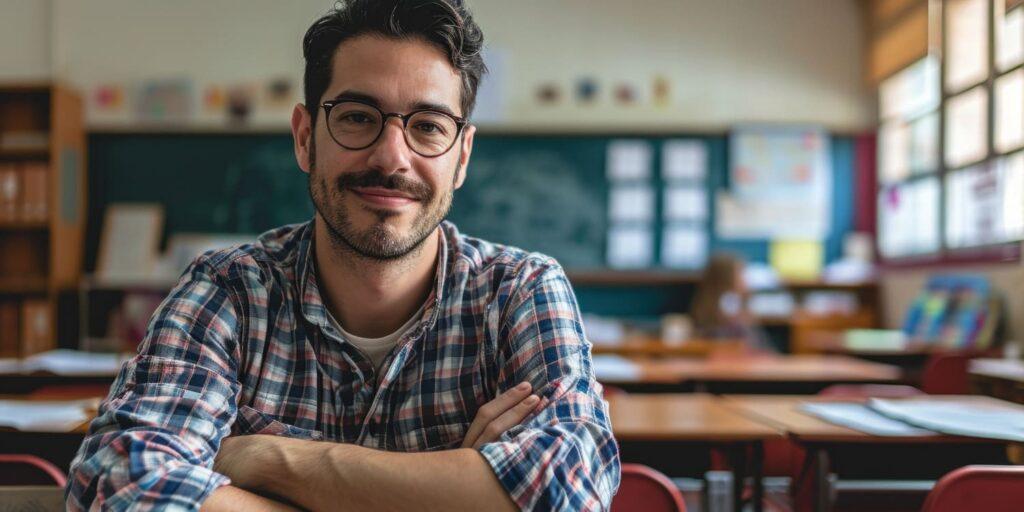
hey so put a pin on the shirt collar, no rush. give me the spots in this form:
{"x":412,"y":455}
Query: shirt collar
{"x":313,"y":307}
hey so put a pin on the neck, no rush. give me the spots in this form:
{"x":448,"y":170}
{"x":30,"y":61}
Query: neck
{"x":373,"y":298}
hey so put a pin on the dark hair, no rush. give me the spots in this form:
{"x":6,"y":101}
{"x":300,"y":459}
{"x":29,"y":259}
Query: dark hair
{"x":447,"y":24}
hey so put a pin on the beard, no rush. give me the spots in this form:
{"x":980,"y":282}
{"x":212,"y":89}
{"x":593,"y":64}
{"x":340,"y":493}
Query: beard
{"x":378,"y":241}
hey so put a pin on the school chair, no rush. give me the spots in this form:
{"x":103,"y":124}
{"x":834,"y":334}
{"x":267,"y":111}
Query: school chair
{"x":988,"y":488}
{"x":645,"y":489}
{"x":946,"y":374}
{"x":7,"y":461}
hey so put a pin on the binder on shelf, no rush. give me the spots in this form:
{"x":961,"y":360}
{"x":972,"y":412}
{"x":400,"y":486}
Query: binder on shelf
{"x":34,"y":197}
{"x":10,"y":192}
{"x":36,"y":327}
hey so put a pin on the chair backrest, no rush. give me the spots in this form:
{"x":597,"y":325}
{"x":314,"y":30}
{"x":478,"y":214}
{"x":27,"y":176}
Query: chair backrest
{"x":946,"y":374}
{"x":648,"y":490}
{"x":42,"y":465}
{"x":988,"y":488}
{"x":870,"y":391}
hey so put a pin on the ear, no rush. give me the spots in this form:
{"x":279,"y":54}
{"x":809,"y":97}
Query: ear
{"x":467,"y":148}
{"x":302,"y":131}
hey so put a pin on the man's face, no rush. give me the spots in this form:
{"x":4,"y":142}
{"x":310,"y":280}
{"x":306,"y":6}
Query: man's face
{"x":385,"y":200}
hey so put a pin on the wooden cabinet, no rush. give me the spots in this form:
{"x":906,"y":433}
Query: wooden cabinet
{"x":42,"y":210}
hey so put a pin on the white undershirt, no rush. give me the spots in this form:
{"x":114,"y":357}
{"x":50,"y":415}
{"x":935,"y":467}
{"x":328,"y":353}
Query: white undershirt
{"x":377,"y":349}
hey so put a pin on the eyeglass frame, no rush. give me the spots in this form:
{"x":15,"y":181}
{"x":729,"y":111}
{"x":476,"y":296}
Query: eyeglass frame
{"x":460,"y":123}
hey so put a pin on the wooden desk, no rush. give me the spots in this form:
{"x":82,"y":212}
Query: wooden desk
{"x":57,"y":447}
{"x":694,"y":418}
{"x":654,"y":347}
{"x":782,"y":413}
{"x":718,"y":374}
{"x":1001,"y":378}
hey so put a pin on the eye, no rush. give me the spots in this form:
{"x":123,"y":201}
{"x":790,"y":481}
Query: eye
{"x":429,"y":128}
{"x":356,"y":118}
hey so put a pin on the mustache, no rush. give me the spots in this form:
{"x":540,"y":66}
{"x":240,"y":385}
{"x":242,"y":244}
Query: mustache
{"x":370,"y":178}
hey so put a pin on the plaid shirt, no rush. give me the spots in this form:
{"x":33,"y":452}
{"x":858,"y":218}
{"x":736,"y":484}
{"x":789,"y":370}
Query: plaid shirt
{"x":243,"y":345}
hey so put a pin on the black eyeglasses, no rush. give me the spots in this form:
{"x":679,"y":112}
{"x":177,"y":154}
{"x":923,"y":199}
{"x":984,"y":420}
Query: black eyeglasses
{"x":356,"y":125}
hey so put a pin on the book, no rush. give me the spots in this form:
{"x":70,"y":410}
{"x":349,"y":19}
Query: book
{"x":36,"y":327}
{"x":10,"y":338}
{"x":10,"y":192}
{"x":34,"y":198}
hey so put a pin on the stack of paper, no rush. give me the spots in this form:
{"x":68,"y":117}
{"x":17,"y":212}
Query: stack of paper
{"x":615,"y":368}
{"x":978,"y":417}
{"x":67,"y":363}
{"x":860,"y":417}
{"x":62,"y":416}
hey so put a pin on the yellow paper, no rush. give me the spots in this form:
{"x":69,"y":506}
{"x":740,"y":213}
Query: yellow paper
{"x":797,"y":259}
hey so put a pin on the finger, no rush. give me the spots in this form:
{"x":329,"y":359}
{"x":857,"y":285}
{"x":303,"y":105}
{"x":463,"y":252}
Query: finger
{"x":509,"y":419}
{"x":495,"y":408}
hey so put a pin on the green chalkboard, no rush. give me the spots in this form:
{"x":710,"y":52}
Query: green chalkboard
{"x":542,"y":193}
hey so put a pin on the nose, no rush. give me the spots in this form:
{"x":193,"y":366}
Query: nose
{"x":391,"y":153}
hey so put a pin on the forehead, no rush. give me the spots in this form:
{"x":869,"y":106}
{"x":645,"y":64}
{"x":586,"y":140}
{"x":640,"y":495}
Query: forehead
{"x":399,"y":73}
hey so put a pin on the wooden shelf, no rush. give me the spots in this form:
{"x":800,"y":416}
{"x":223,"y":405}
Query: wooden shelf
{"x":24,"y":154}
{"x":22,"y":285}
{"x":23,"y":225}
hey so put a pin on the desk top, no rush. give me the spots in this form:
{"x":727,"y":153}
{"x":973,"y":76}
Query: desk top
{"x":790,"y":368}
{"x":999,"y":369}
{"x":681,"y":417}
{"x":641,"y":346}
{"x":782,"y":413}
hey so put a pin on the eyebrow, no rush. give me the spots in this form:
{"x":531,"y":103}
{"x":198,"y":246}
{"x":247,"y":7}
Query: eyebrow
{"x":372,"y":100}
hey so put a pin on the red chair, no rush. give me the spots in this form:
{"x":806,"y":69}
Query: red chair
{"x":870,"y":391}
{"x":609,"y":390}
{"x":41,"y":464}
{"x":988,"y":488}
{"x":648,"y":490}
{"x":946,"y":374}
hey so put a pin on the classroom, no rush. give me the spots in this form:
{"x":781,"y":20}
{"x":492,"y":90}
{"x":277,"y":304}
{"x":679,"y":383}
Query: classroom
{"x":659,"y":255}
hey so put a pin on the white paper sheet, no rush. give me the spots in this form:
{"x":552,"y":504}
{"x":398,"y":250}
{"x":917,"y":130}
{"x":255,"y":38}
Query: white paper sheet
{"x":860,"y":417}
{"x":684,"y":247}
{"x":629,"y":160}
{"x":631,"y":203}
{"x":685,"y":203}
{"x":74,"y":362}
{"x":992,"y":419}
{"x":61,"y":416}
{"x":630,"y":247}
{"x":684,"y":160}
{"x":613,"y":368}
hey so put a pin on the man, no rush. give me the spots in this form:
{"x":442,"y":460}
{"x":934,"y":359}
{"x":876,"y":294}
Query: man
{"x":373,"y":358}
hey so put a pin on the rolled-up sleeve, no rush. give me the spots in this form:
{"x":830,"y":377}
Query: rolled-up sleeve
{"x":153,"y":443}
{"x":565,"y":457}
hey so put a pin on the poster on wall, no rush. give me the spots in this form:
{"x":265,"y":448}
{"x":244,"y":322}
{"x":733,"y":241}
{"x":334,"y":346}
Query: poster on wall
{"x":780,"y":184}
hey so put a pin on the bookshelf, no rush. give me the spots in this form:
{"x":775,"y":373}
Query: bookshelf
{"x":42,"y":210}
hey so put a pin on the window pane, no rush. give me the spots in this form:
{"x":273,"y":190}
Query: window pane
{"x":911,"y":92}
{"x":1009,"y":35}
{"x":973,"y":207}
{"x":1011,"y":184}
{"x":966,"y":127}
{"x":893,"y":152}
{"x":1009,"y":111}
{"x":924,"y":144}
{"x":966,"y":43}
{"x":909,"y":218}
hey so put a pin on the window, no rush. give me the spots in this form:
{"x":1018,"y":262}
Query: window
{"x":951,"y":137}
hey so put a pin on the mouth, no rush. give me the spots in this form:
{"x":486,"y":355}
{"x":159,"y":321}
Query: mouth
{"x":384,"y":197}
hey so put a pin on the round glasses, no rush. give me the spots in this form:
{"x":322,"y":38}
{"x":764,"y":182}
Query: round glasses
{"x":356,"y":125}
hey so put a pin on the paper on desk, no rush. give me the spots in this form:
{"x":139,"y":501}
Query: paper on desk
{"x":612,"y":367}
{"x":957,"y":417}
{"x":61,"y":416}
{"x":74,"y":363}
{"x":860,"y":417}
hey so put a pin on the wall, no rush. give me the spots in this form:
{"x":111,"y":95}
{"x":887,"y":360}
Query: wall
{"x":728,"y":60}
{"x":25,"y":40}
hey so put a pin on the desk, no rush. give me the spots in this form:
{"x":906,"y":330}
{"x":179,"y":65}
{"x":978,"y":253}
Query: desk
{"x":758,"y":373}
{"x":694,"y":418}
{"x":57,"y":447}
{"x":1001,"y":378}
{"x":818,"y":436}
{"x":654,"y":347}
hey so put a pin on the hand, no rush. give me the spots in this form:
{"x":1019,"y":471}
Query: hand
{"x":240,"y":459}
{"x":499,"y":415}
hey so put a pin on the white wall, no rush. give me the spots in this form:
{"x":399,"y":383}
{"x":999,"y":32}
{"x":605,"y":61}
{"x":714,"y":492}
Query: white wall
{"x":24,"y":40}
{"x":729,"y":61}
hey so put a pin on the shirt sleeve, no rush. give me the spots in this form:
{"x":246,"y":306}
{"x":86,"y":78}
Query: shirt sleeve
{"x":153,"y":443}
{"x":565,"y":457}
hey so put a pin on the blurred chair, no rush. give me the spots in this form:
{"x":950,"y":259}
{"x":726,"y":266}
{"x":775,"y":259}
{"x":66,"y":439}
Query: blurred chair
{"x":647,"y":490}
{"x":8,"y":461}
{"x":988,"y":488}
{"x":870,"y":391}
{"x":609,"y":390}
{"x":946,"y":374}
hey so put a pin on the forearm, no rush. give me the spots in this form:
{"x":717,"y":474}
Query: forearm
{"x":229,"y":499}
{"x":324,"y":476}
